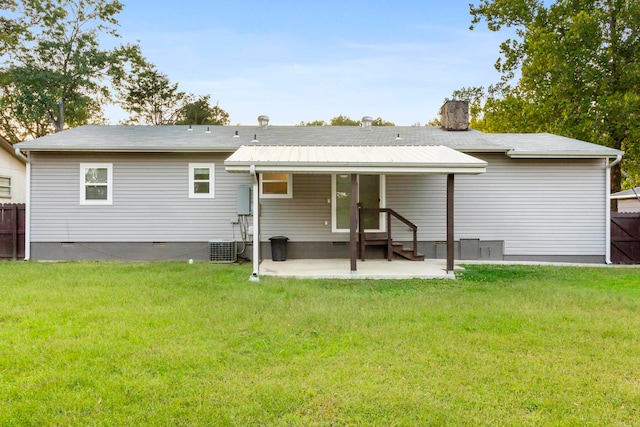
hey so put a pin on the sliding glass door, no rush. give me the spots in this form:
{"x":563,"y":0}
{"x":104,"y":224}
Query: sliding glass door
{"x":371,"y":195}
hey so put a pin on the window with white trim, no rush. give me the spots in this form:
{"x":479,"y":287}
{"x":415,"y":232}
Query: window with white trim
{"x":5,"y":186}
{"x":96,"y":183}
{"x":201,"y":180}
{"x":276,"y":186}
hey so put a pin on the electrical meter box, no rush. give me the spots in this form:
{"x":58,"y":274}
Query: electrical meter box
{"x":244,"y":200}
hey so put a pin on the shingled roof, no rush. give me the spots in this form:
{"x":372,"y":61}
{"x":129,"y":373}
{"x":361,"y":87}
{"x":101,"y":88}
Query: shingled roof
{"x":178,"y":138}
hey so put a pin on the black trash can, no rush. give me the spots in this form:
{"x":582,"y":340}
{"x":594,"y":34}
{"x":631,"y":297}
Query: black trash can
{"x":278,"y":248}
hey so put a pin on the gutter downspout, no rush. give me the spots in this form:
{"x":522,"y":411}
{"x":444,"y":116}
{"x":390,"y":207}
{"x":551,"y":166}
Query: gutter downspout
{"x":27,"y":212}
{"x":607,"y":258}
{"x":21,"y":156}
{"x":255,"y":276}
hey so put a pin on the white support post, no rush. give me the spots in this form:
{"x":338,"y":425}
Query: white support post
{"x":27,"y":212}
{"x":255,"y":276}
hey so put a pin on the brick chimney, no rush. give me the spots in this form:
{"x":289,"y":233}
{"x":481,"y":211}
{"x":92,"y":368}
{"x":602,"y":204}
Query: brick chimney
{"x":455,"y":115}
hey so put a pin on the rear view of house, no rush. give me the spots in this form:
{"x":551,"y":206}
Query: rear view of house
{"x":168,"y":192}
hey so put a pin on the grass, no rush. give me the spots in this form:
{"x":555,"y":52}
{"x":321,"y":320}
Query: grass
{"x":176,"y":344}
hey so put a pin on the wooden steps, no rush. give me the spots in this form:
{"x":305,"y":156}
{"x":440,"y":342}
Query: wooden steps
{"x":406,"y":253}
{"x":381,"y":239}
{"x":384,"y":238}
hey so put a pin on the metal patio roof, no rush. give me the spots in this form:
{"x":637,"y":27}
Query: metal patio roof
{"x":400,"y":159}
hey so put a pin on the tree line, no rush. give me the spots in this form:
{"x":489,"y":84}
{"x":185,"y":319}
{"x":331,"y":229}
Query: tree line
{"x":572,"y":68}
{"x":56,"y":74}
{"x":346,"y":121}
{"x":568,"y":67}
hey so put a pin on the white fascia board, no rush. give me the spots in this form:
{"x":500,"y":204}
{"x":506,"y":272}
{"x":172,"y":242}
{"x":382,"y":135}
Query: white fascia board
{"x":483,"y":150}
{"x":559,"y":155}
{"x":384,"y":170}
{"x":138,"y":149}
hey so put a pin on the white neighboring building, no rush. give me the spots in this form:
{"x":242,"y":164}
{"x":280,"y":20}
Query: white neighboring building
{"x":12,"y":174}
{"x":628,"y":200}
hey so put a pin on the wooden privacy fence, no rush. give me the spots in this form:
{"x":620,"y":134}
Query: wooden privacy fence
{"x":625,"y":238}
{"x":12,"y":230}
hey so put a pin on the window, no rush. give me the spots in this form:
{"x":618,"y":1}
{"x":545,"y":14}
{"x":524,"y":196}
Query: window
{"x":201,"y":180}
{"x":276,"y":186}
{"x":96,"y":183}
{"x":371,"y":195}
{"x":5,"y":186}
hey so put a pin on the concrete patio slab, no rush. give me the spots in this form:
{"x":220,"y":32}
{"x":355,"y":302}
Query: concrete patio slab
{"x":369,"y":269}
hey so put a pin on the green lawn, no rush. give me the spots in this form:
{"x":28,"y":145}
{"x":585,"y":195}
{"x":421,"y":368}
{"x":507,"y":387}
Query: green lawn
{"x":176,"y":344}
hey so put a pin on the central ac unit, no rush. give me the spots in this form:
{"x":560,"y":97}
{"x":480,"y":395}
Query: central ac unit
{"x":222,"y":251}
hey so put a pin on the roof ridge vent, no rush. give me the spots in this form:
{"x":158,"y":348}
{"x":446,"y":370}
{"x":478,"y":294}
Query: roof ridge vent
{"x":366,"y":122}
{"x":263,"y":121}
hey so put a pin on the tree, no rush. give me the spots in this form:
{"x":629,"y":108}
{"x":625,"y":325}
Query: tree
{"x":476,"y":97}
{"x":13,"y":26}
{"x":150,"y":97}
{"x":579,"y":72}
{"x":200,"y":112}
{"x":346,"y":121}
{"x":314,"y":123}
{"x":343,"y":121}
{"x":380,"y":122}
{"x":55,"y":73}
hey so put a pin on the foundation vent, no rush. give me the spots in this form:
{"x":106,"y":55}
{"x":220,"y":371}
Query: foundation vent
{"x":222,"y":251}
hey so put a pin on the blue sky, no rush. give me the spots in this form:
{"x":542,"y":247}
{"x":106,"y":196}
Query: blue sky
{"x":297,"y":61}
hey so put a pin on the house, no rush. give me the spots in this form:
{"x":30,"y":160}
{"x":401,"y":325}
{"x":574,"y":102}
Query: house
{"x":12,"y":174}
{"x":139,"y":192}
{"x":628,"y":200}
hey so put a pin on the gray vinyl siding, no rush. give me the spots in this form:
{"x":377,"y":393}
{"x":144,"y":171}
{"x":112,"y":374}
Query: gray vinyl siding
{"x":550,"y":207}
{"x":150,"y":200}
{"x":538,"y":207}
{"x":301,"y":218}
